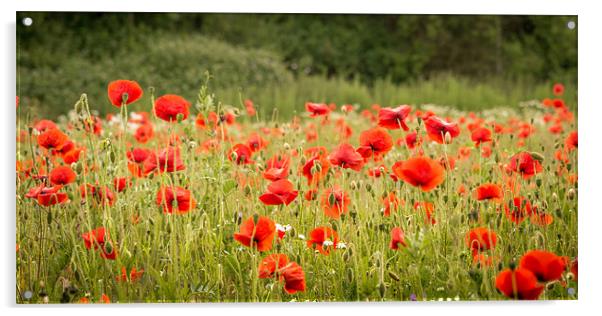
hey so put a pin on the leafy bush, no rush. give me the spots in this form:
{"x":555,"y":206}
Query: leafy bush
{"x":170,"y":64}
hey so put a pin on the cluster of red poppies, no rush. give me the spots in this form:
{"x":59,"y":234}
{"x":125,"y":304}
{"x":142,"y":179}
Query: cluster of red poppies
{"x":316,"y":164}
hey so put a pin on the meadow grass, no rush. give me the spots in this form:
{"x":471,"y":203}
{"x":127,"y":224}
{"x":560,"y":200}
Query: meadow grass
{"x":194,"y":258}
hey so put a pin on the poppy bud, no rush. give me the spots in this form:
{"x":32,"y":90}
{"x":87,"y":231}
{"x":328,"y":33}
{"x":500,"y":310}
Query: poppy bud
{"x":247,"y":189}
{"x":233,"y":156}
{"x":550,"y":286}
{"x":571,"y":194}
{"x":287,"y":146}
{"x":394,"y":276}
{"x":353,"y":185}
{"x":570,"y":276}
{"x":448,"y":138}
{"x":332,"y":199}
{"x":368,"y":187}
{"x":554,"y":196}
{"x":180,"y":117}
{"x":381,"y":289}
{"x":537,"y":156}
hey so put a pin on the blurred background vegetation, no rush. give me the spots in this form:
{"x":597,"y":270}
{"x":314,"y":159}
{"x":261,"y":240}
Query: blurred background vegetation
{"x":283,"y":60}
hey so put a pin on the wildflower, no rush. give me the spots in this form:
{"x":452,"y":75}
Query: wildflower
{"x":525,"y":164}
{"x":322,"y":238}
{"x":437,"y":129}
{"x":167,"y":160}
{"x":62,"y":175}
{"x":175,"y":199}
{"x":489,"y":191}
{"x":345,"y":156}
{"x":257,"y":231}
{"x":421,"y":172}
{"x":480,"y":239}
{"x":480,"y":135}
{"x":99,"y":239}
{"x":133,"y":276}
{"x":394,"y":118}
{"x":391,"y":202}
{"x":240,"y":154}
{"x":334,"y":202}
{"x":518,"y":284}
{"x":279,"y":192}
{"x":317,"y":109}
{"x":124,"y":92}
{"x":277,"y":168}
{"x":397,"y":238}
{"x":52,"y":139}
{"x":102,"y":195}
{"x":546,"y":265}
{"x":375,"y":142}
{"x":169,"y":107}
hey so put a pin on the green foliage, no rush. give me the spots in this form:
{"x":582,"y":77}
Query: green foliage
{"x":472,"y":62}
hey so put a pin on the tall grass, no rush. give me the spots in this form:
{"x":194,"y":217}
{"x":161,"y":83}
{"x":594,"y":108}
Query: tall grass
{"x":454,"y":91}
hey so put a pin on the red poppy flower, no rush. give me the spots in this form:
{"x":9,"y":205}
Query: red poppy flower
{"x":256,"y":142}
{"x":558,"y":89}
{"x":124,"y":91}
{"x":272,"y":264}
{"x":391,"y":202}
{"x":52,"y":139}
{"x":44,"y":125}
{"x":317,"y":109}
{"x":421,"y":172}
{"x":168,"y":160}
{"x":571,"y":141}
{"x":279,"y":192}
{"x":345,"y":156}
{"x":375,"y":141}
{"x":257,"y":231}
{"x":480,"y":239}
{"x":294,"y":278}
{"x":437,"y":128}
{"x":240,"y":154}
{"x":546,"y":265}
{"x":311,"y":194}
{"x":120,"y":183}
{"x":277,"y":168}
{"x":175,"y":199}
{"x":99,"y":239}
{"x":377,"y":171}
{"x":48,"y":196}
{"x":334,"y":202}
{"x":133,"y":276}
{"x":136,"y":158}
{"x":315,"y":169}
{"x":480,"y":135}
{"x":250,"y":107}
{"x":518,"y":284}
{"x":429,"y":210}
{"x":397,"y":238}
{"x":62,"y":175}
{"x":144,"y":133}
{"x":412,"y":140}
{"x":518,"y":209}
{"x":541,"y":218}
{"x":525,"y":164}
{"x":323,"y":239}
{"x":489,"y":191}
{"x":394,"y":118}
{"x":169,"y":106}
{"x":102,"y":195}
